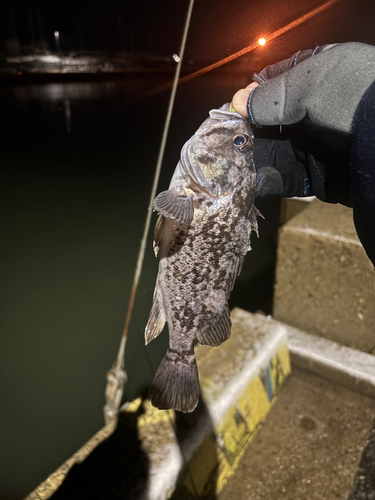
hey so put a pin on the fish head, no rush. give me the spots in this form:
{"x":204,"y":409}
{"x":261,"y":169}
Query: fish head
{"x":219,"y":154}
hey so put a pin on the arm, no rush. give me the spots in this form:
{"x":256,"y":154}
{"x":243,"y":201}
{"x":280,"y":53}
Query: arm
{"x":328,"y":95}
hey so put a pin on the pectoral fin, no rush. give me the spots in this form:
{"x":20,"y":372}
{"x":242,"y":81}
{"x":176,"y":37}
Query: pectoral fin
{"x":157,"y":318}
{"x":174,"y":205}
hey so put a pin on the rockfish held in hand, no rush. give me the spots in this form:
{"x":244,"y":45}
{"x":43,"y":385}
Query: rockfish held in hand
{"x":203,"y":231}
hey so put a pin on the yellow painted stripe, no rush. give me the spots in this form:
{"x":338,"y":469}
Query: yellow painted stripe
{"x":239,"y":425}
{"x":219,"y":454}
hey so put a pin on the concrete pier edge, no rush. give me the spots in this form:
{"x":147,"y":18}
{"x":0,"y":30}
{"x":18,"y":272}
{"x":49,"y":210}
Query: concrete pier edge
{"x":238,"y":393}
{"x":239,"y":384}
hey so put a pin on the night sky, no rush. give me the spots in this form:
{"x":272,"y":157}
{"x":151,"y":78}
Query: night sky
{"x":218,"y":28}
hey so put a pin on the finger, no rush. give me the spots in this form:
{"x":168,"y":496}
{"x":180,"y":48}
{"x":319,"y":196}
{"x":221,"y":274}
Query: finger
{"x":239,"y":101}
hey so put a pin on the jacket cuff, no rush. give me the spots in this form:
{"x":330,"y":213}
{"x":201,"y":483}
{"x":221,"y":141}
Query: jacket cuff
{"x":249,"y":110}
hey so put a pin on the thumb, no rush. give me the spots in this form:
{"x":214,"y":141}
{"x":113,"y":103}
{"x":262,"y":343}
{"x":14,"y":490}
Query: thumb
{"x":239,"y":101}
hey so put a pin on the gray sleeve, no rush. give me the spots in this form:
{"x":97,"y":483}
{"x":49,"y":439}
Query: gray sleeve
{"x":325,"y":88}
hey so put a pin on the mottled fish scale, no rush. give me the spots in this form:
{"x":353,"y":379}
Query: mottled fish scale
{"x":204,"y":232}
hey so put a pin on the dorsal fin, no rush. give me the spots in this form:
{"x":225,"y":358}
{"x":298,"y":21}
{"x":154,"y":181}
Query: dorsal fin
{"x":254,"y":213}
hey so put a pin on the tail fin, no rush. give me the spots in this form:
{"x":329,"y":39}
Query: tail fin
{"x":176,"y":383}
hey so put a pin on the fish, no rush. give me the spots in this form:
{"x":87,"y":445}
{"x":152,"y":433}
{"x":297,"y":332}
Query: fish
{"x":203,"y":234}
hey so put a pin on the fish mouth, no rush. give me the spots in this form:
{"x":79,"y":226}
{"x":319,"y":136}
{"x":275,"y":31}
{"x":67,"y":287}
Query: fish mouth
{"x":224,"y":113}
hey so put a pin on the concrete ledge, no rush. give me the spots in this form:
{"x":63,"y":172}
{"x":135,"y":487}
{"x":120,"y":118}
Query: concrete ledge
{"x":334,"y":362}
{"x":290,"y":207}
{"x":337,"y":363}
{"x":190,"y":455}
{"x":154,"y":454}
{"x":239,"y":382}
{"x":325,"y":283}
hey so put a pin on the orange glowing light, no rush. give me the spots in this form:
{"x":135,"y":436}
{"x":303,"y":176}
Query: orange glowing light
{"x":245,"y":50}
{"x":262,"y":41}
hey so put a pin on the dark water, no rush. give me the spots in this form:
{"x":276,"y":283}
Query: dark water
{"x":77,"y":162}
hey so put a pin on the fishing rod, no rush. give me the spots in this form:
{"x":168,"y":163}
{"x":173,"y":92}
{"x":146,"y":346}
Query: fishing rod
{"x":116,"y":377}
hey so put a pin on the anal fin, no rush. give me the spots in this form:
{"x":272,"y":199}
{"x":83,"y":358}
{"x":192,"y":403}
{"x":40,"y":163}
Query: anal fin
{"x":218,"y":330}
{"x":157,"y":318}
{"x":234,"y":270}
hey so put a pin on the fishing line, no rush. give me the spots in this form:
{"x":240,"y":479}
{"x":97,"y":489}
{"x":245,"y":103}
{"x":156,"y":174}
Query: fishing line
{"x":170,"y":419}
{"x":246,"y":50}
{"x":116,"y":377}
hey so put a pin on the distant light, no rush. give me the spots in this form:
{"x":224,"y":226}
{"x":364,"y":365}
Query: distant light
{"x":176,"y":57}
{"x":57,"y":40}
{"x":262,"y":41}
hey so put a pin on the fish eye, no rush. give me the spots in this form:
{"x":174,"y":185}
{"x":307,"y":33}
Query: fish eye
{"x":241,"y":141}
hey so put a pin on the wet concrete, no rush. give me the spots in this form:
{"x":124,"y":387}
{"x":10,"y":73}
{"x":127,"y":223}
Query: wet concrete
{"x":311,"y":446}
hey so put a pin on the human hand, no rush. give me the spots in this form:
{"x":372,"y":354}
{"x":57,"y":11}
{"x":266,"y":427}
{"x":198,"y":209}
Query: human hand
{"x":317,"y":91}
{"x":323,"y":86}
